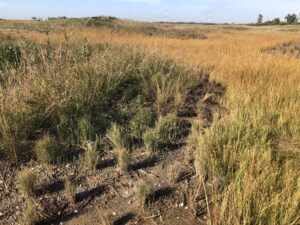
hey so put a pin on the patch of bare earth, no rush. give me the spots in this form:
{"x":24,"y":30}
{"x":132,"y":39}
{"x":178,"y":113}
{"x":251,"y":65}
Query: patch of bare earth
{"x":109,"y":191}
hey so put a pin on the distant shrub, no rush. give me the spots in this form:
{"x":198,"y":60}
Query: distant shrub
{"x":46,"y":149}
{"x":102,"y":21}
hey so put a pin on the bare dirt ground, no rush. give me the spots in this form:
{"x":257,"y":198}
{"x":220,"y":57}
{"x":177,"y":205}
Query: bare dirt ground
{"x":106,"y":190}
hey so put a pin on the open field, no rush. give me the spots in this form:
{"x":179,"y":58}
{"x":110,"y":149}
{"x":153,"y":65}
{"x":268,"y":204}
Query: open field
{"x":119,"y":122}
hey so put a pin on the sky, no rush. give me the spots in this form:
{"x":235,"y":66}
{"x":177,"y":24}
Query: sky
{"x":218,"y":11}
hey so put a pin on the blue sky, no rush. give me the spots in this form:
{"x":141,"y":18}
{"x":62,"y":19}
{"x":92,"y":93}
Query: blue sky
{"x":238,"y":11}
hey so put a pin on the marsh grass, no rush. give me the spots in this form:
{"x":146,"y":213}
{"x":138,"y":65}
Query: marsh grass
{"x":62,"y":83}
{"x":73,"y":92}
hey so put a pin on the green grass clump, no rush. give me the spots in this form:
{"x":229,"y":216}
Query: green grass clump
{"x":29,"y":215}
{"x":142,"y":192}
{"x":85,"y":130}
{"x":143,"y":120}
{"x":107,"y":218}
{"x":70,"y":189}
{"x":114,"y":135}
{"x":151,"y":140}
{"x":165,"y":132}
{"x":91,"y":156}
{"x":27,"y":182}
{"x":10,"y":55}
{"x":173,"y":173}
{"x":123,"y":158}
{"x":46,"y":149}
{"x":119,"y":145}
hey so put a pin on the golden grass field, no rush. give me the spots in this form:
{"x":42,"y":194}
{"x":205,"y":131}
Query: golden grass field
{"x":253,"y":150}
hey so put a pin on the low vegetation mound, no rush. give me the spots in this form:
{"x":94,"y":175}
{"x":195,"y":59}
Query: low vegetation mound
{"x":291,"y":49}
{"x":71,"y":94}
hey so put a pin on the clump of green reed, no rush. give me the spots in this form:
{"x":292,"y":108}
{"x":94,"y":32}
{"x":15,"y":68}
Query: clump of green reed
{"x":29,"y":215}
{"x":91,"y":156}
{"x":174,"y":173}
{"x":123,"y":158}
{"x":151,"y":140}
{"x":70,"y":189}
{"x":142,"y":192}
{"x":107,"y":218}
{"x":27,"y":182}
{"x":165,"y":132}
{"x":122,"y":153}
{"x":143,"y":120}
{"x":114,"y":135}
{"x":46,"y":149}
{"x":85,"y":130}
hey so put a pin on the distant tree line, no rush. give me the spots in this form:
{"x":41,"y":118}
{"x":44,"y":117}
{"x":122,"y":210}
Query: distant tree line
{"x":102,"y":18}
{"x":289,"y":19}
{"x":49,"y":18}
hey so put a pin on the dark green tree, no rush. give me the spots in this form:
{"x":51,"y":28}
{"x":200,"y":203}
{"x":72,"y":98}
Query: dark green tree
{"x":276,"y":21}
{"x":260,"y":19}
{"x":291,"y":19}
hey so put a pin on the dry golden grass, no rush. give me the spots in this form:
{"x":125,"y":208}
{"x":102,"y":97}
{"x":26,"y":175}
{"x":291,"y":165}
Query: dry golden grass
{"x":244,"y":150}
